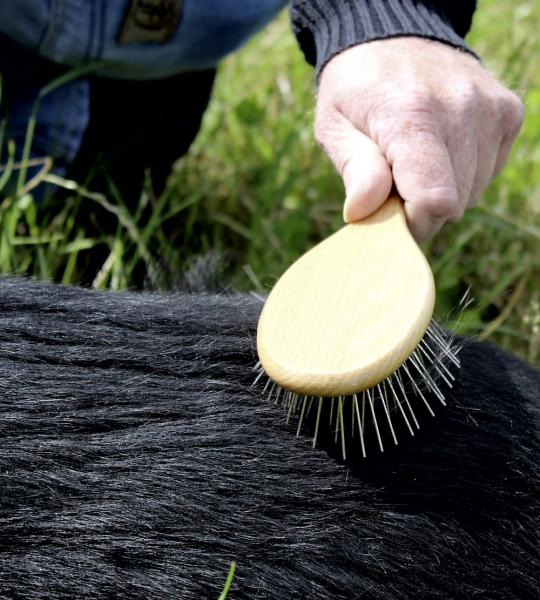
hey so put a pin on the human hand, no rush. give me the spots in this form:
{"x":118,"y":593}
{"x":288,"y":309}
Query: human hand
{"x":418,"y":114}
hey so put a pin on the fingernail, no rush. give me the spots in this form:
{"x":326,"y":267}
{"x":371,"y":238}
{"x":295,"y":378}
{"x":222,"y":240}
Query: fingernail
{"x":346,"y":208}
{"x":353,"y":207}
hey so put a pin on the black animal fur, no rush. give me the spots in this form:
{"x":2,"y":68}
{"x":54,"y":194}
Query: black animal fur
{"x":137,"y":462}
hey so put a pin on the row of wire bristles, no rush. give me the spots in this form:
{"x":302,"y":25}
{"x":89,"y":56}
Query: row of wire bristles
{"x":425,"y":372}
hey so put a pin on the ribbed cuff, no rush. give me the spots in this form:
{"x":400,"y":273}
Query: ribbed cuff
{"x":326,"y":27}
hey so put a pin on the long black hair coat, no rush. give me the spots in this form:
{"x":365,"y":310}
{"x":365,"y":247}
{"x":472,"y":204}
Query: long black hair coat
{"x":137,"y":462}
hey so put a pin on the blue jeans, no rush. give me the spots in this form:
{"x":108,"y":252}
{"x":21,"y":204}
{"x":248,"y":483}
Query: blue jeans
{"x":41,"y":38}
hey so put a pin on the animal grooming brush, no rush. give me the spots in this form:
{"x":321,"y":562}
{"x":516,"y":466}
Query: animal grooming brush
{"x":346,"y":335}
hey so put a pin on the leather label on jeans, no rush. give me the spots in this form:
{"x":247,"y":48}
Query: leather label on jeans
{"x":150,"y":21}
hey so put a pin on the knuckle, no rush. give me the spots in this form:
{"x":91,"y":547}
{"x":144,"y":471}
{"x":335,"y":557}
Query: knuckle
{"x":466,"y":95}
{"x":505,"y":109}
{"x":513,"y":115}
{"x":439,"y":203}
{"x":456,"y":214}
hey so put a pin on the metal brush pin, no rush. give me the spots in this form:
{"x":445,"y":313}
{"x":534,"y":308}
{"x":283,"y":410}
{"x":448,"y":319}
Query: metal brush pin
{"x":422,"y":379}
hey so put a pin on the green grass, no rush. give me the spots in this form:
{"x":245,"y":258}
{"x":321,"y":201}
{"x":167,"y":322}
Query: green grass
{"x":257,"y":191}
{"x":228,"y":582}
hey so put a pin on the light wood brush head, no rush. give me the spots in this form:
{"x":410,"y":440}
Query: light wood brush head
{"x":350,"y":311}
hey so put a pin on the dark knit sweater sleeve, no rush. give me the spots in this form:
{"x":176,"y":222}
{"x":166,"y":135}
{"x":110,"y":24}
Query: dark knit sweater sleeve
{"x":326,"y":27}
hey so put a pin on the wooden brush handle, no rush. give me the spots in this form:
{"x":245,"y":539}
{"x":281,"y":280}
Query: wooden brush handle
{"x":351,"y":310}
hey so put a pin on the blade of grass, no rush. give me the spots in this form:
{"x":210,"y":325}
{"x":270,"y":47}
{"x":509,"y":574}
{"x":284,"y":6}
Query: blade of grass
{"x":27,"y":240}
{"x":228,"y":582}
{"x":123,"y":216}
{"x":7,"y":169}
{"x":31,"y":127}
{"x":507,"y":310}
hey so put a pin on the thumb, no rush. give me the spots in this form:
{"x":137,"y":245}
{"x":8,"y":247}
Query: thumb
{"x":366,"y":174}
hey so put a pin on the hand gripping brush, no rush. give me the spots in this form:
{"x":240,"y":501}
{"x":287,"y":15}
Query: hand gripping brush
{"x":346,"y":334}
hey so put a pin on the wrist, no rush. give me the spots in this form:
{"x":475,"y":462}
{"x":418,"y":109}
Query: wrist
{"x":327,"y":27}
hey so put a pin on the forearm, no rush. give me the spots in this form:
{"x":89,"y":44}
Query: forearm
{"x":326,"y":27}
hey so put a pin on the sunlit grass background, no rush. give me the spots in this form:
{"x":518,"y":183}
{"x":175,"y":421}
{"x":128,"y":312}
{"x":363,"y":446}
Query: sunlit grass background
{"x":256,"y":192}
